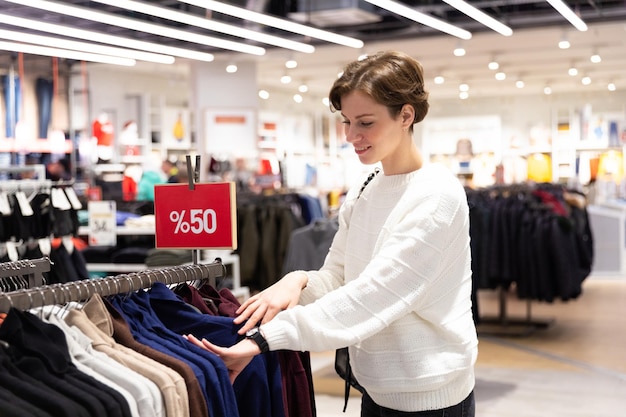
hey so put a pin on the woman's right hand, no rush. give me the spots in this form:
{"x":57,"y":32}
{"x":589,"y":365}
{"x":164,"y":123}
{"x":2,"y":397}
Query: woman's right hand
{"x":262,"y":307}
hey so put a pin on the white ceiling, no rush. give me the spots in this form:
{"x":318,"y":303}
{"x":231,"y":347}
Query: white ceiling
{"x":532,"y":55}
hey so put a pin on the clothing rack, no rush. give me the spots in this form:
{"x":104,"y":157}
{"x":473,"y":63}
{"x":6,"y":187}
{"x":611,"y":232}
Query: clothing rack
{"x":504,"y":325}
{"x":78,"y":291}
{"x":31,"y":269}
{"x":39,"y":170}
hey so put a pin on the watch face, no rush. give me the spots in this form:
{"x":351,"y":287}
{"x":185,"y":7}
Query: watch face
{"x":252,"y":332}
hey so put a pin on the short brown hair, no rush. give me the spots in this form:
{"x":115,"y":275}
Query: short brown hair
{"x":391,"y":78}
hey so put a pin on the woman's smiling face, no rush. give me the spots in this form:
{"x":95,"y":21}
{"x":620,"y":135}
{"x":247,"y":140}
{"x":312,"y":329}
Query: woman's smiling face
{"x":375,"y":134}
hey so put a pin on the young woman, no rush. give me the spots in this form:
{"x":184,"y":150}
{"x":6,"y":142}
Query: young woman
{"x":396,"y":284}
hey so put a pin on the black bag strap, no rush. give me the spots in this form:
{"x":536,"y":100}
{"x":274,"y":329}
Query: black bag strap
{"x":349,"y":380}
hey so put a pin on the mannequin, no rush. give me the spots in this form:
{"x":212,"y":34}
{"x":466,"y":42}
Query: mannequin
{"x":103,"y":132}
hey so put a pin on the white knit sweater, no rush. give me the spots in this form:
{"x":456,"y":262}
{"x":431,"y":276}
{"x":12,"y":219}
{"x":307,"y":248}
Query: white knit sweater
{"x":400,"y":269}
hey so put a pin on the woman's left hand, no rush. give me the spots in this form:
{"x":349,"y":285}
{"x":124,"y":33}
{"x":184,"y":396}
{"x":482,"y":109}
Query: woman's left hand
{"x":236,"y":357}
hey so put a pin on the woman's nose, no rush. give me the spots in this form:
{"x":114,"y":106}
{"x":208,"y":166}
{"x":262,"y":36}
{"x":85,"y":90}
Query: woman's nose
{"x":351,"y":134}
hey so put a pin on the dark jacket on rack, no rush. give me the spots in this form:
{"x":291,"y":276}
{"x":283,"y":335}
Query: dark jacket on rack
{"x":258,"y":389}
{"x":295,"y":367}
{"x":40,"y":350}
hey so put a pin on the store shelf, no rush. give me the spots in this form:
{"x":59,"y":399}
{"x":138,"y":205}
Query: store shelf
{"x":122,"y":231}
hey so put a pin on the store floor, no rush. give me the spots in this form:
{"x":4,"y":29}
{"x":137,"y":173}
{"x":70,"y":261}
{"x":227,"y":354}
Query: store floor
{"x":574,"y":367}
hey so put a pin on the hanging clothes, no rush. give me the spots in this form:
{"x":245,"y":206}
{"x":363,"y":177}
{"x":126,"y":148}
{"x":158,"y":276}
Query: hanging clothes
{"x":127,"y":350}
{"x":295,"y":367}
{"x":38,"y":354}
{"x":530,"y":237}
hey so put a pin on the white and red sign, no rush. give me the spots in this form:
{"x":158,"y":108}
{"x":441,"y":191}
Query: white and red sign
{"x":203,"y":218}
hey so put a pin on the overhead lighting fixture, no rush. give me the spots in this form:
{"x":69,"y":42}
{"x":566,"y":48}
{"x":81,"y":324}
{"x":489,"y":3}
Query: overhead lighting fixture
{"x":500,"y":76}
{"x":611,"y":87}
{"x":425,"y":19}
{"x":297,"y":98}
{"x":303,"y":88}
{"x":586,"y":80}
{"x":291,"y":63}
{"x":573,"y":71}
{"x":519,"y":84}
{"x":275,"y":22}
{"x":547,"y":90}
{"x":463,"y":95}
{"x":459,"y":50}
{"x":231,"y":68}
{"x":171,"y":14}
{"x":65,"y":53}
{"x":568,"y":14}
{"x":564,"y":42}
{"x":104,"y":38}
{"x":595,"y":58}
{"x":480,"y":17}
{"x":84,"y":47}
{"x":463,"y":87}
{"x":134,"y":24}
{"x":285,"y":79}
{"x":263,"y":94}
{"x":439,"y":79}
{"x":493,"y":65}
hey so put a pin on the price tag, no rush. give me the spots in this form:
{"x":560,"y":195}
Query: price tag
{"x":102,"y":223}
{"x":195,"y":219}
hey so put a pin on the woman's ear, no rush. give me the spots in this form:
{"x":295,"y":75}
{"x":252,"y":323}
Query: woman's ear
{"x":408,"y":115}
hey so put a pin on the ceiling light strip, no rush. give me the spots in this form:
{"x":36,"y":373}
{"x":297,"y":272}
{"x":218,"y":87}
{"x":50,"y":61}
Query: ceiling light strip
{"x":567,"y":13}
{"x":138,"y":25}
{"x":170,"y":14}
{"x":84,"y":47}
{"x":480,"y":17}
{"x":425,"y":19}
{"x":275,"y":22}
{"x":65,"y":53}
{"x":104,"y":38}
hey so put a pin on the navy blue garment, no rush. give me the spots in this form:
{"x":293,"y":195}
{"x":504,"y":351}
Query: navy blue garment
{"x":12,"y":103}
{"x":45,"y":90}
{"x":209,"y":369}
{"x":258,"y":388}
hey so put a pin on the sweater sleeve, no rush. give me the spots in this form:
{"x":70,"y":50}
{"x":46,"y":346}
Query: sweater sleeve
{"x":422,"y":260}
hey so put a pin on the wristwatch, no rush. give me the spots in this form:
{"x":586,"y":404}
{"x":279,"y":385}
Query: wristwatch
{"x":255,"y":335}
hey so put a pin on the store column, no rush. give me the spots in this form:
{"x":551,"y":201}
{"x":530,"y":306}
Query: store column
{"x":225,"y":107}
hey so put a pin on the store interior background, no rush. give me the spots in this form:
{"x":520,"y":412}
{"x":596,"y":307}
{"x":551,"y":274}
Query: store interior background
{"x":500,"y":119}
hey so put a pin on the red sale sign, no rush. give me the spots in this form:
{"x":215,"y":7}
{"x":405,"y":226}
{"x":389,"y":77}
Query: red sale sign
{"x":203,"y":218}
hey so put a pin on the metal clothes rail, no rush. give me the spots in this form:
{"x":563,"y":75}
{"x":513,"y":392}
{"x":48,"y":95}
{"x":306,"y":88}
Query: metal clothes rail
{"x":30,"y":269}
{"x":77,"y":291}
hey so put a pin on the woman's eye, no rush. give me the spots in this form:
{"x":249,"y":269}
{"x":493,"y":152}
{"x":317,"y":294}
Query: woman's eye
{"x":366,"y":124}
